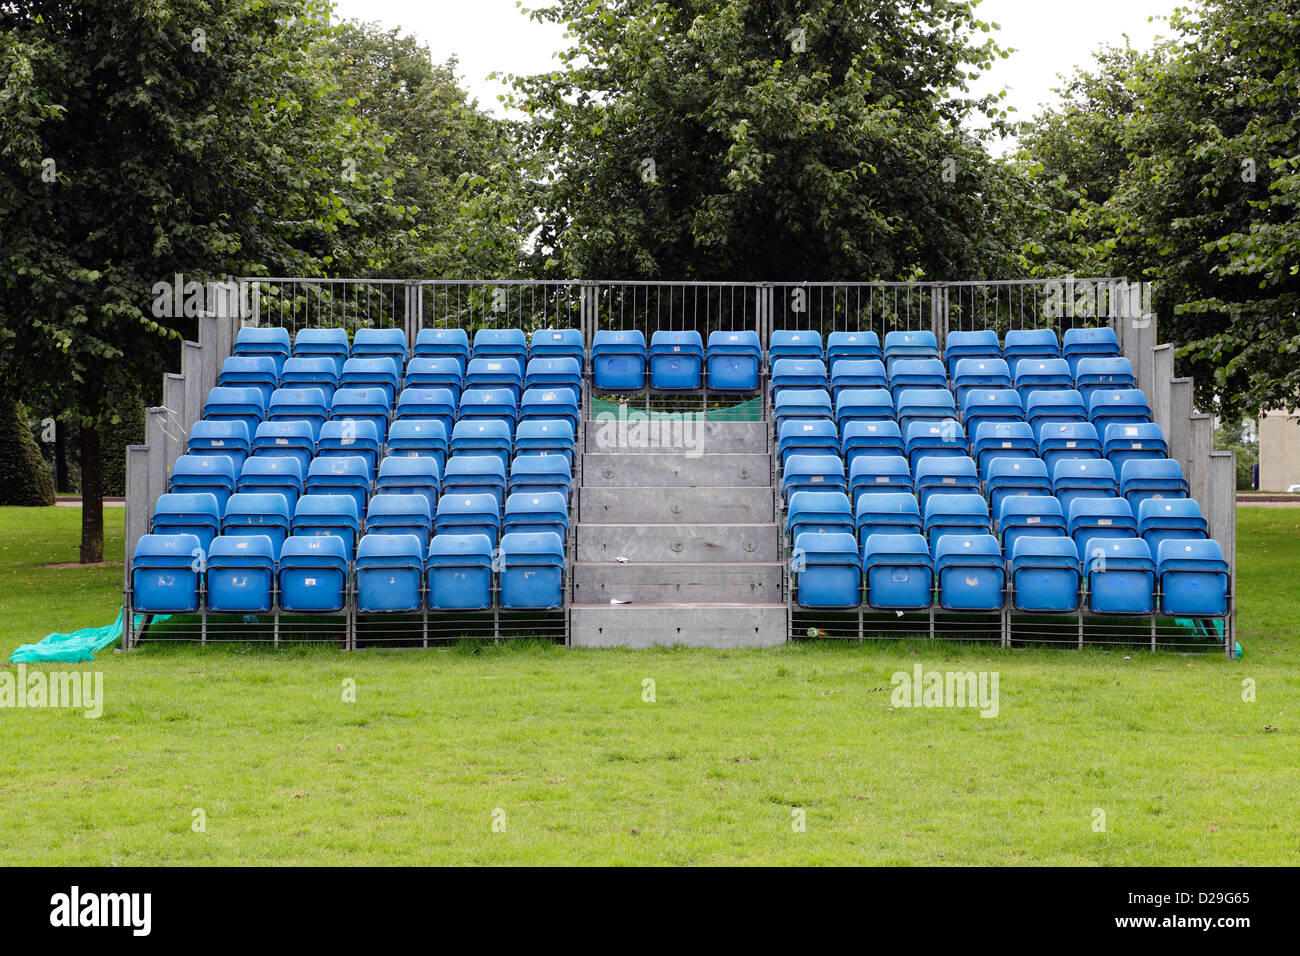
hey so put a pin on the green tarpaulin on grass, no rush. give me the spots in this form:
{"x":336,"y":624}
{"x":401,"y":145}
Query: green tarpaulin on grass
{"x":77,"y":646}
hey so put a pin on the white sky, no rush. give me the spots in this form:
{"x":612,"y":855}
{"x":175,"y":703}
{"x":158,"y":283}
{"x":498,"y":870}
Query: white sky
{"x":1049,"y":37}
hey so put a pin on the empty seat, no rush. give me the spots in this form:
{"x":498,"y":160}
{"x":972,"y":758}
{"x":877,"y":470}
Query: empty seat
{"x":1143,"y":480}
{"x":165,"y":573}
{"x":469,"y":514}
{"x":532,"y":570}
{"x":325,"y":514}
{"x":1118,"y":406}
{"x":475,"y":474}
{"x":369,"y":343}
{"x":1100,"y":518}
{"x":1094,"y":374}
{"x":801,"y":404}
{"x":979,"y":373}
{"x":1163,"y":519}
{"x":799,"y":373}
{"x":875,"y":473}
{"x":212,"y":474}
{"x":970,"y":571}
{"x":293,"y":439}
{"x":1123,"y":442}
{"x":814,"y":472}
{"x":1081,"y":344}
{"x":827,"y":570}
{"x":944,"y":475}
{"x":485,"y":436}
{"x":231,"y":404}
{"x":312,"y":573}
{"x":921,"y":404}
{"x":428,"y":404}
{"x":299,"y":405}
{"x":363,"y":404}
{"x":558,"y":343}
{"x":192,"y":513}
{"x":510,"y":343}
{"x":916,"y":373}
{"x":887,"y":513}
{"x":330,"y":344}
{"x":418,"y":436}
{"x":935,"y":438}
{"x":230,"y":439}
{"x":550,"y":402}
{"x":1015,"y":476}
{"x":389,"y":569}
{"x":954,"y":514}
{"x":273,"y":474}
{"x":851,"y":405}
{"x":1193,"y":577}
{"x":402,"y":474}
{"x":982,"y":344}
{"x":537,"y":511}
{"x":443,"y":343}
{"x":1120,"y":575}
{"x":399,"y":514}
{"x":853,"y":347}
{"x":1058,"y":405}
{"x":270,"y":342}
{"x":1074,"y":478}
{"x":1045,"y":574}
{"x":350,"y":437}
{"x":1021,"y":344}
{"x":240,"y":575}
{"x":250,"y":371}
{"x":898,"y":570}
{"x":495,"y":371}
{"x":990,"y":405}
{"x":795,"y":344}
{"x":824,"y":511}
{"x":531,"y":474}
{"x":340,"y":475}
{"x":555,"y":372}
{"x":1029,"y":516}
{"x":618,"y":360}
{"x":994,"y":440}
{"x":807,"y":436}
{"x":490,"y":403}
{"x":546,"y":436}
{"x":315,"y":371}
{"x":1058,"y":441}
{"x":372,"y":371}
{"x":260,"y":513}
{"x":909,"y":345}
{"x":857,"y":373}
{"x":870,"y":437}
{"x":676,"y":360}
{"x":460,"y":572}
{"x":442,"y":371}
{"x":1042,"y":374}
{"x":733,"y":360}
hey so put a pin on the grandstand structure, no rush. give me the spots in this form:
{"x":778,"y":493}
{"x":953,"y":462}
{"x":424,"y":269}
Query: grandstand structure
{"x":397,"y":463}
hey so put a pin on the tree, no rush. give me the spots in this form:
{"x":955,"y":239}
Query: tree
{"x":25,"y":479}
{"x":774,"y":139}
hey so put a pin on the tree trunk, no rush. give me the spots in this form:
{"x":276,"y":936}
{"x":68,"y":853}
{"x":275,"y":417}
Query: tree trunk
{"x":60,"y":457}
{"x":92,"y":496}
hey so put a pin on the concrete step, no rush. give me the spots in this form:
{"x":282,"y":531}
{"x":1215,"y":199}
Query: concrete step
{"x":676,"y":470}
{"x":694,"y":625}
{"x":661,"y":582}
{"x":659,"y":436}
{"x":685,"y":505}
{"x":676,"y":543}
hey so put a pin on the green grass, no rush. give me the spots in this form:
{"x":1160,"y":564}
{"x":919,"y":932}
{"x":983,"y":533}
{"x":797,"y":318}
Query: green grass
{"x":585,"y":772}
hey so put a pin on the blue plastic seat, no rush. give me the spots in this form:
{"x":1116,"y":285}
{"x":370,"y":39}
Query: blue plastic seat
{"x":1081,"y":344}
{"x":1058,"y":405}
{"x":550,"y":402}
{"x":558,"y":343}
{"x":1042,"y":375}
{"x":853,"y":347}
{"x":418,"y":436}
{"x":330,"y":344}
{"x":814,"y":472}
{"x":899,"y":572}
{"x":532,"y":474}
{"x":870,"y":437}
{"x":1002,"y":440}
{"x":1058,"y":441}
{"x":325,"y":514}
{"x":807,"y":436}
{"x":1015,"y":476}
{"x":399,"y":514}
{"x":916,"y":373}
{"x":1143,"y":480}
{"x":340,"y":475}
{"x":240,"y":575}
{"x":230,"y":439}
{"x":857,"y":373}
{"x":294,"y":439}
{"x":1120,"y":575}
{"x":350,"y":437}
{"x":402,"y":474}
{"x":299,"y":404}
{"x":193,"y":513}
{"x":872,"y":474}
{"x":978,"y":345}
{"x":1021,"y":344}
{"x":1094,"y":374}
{"x":795,"y":344}
{"x":532,"y":570}
{"x":496,"y":343}
{"x":213,"y":474}
{"x":959,"y":513}
{"x":443,"y":343}
{"x":733,"y":360}
{"x":495,"y":371}
{"x":801,"y":404}
{"x":554,"y":372}
{"x":1163,"y":519}
{"x":1193,"y":577}
{"x":887,"y":513}
{"x":250,"y":371}
{"x":935,"y":438}
{"x":676,"y":360}
{"x":827,"y":570}
{"x":282,"y":474}
{"x":311,"y":371}
{"x":970,"y":571}
{"x":260,"y":513}
{"x":618,"y":360}
{"x":372,"y":371}
{"x":489,"y":403}
{"x":924,"y":404}
{"x":990,"y":405}
{"x":442,"y":371}
{"x":389,"y":570}
{"x":460,"y":572}
{"x":1075,"y":478}
{"x":852,"y":404}
{"x":546,"y":436}
{"x":371,"y":343}
{"x":1118,"y":406}
{"x":979,"y":373}
{"x":1100,"y":518}
{"x":799,"y":373}
{"x":1045,"y":574}
{"x":537,"y":511}
{"x":483,"y":436}
{"x":230,"y":404}
{"x":1029,"y":516}
{"x":263,"y":340}
{"x":1129,"y":442}
{"x":363,"y":405}
{"x":909,"y":345}
{"x":428,"y":404}
{"x":475,"y":474}
{"x":313,"y":574}
{"x":944,"y":475}
{"x":824,"y":511}
{"x":165,"y":573}
{"x":469,"y":514}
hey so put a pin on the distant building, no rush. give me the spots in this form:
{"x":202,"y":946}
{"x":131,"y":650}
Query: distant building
{"x":1279,"y":450}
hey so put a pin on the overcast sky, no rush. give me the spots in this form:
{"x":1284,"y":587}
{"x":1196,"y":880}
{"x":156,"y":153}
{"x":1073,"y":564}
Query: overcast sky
{"x":1049,"y":37}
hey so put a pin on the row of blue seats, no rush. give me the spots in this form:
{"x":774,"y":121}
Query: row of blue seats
{"x":248,"y":574}
{"x":1186,"y":577}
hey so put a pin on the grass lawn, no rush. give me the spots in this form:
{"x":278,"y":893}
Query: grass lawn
{"x":561,"y":747}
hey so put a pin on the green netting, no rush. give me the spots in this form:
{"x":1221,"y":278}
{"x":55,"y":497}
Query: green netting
{"x":747,"y":411}
{"x":77,"y":646}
